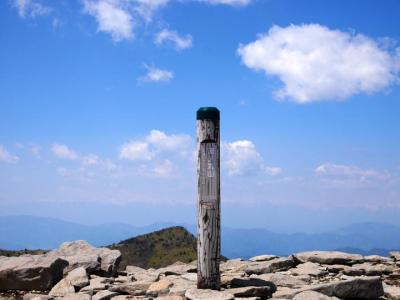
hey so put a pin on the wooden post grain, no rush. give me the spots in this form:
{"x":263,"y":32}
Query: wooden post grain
{"x":208,"y":204}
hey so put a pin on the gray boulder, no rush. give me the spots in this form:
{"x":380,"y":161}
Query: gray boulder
{"x":270,"y":266}
{"x":391,"y":292}
{"x":62,"y":288}
{"x":30,"y":272}
{"x":102,"y":261}
{"x":366,"y":288}
{"x":329,"y":257}
{"x":395,"y":255}
{"x":312,"y":295}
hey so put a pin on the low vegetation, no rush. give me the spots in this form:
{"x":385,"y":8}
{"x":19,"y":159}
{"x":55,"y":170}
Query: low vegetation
{"x":10,"y":253}
{"x":158,"y":249}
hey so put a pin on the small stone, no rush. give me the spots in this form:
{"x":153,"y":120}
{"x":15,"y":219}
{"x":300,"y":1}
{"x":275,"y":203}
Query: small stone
{"x":30,"y":296}
{"x":62,"y":288}
{"x":135,"y":288}
{"x":265,"y":257}
{"x":197,"y":294}
{"x":253,"y":291}
{"x":104,"y":295}
{"x":159,"y":288}
{"x":271,"y":266}
{"x":170,"y":298}
{"x":284,"y":280}
{"x":190,"y":276}
{"x":311,"y":295}
{"x":377,"y":259}
{"x":395,"y":255}
{"x":78,"y":277}
{"x":391,"y":292}
{"x":78,"y":296}
{"x":309,"y":268}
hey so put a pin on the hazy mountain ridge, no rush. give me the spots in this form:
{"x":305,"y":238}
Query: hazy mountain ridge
{"x":44,"y":233}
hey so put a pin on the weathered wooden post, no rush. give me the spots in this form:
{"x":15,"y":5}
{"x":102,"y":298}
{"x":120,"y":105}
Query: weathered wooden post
{"x":209,"y":200}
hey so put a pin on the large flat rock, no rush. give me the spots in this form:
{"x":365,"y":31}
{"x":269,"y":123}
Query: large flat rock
{"x":329,"y":257}
{"x":30,"y":272}
{"x":367,"y":288}
{"x":270,"y":266}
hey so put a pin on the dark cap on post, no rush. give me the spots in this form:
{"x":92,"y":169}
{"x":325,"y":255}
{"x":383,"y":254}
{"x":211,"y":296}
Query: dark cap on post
{"x":211,"y":113}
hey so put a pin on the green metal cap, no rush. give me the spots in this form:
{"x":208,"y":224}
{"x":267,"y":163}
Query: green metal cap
{"x":211,"y":113}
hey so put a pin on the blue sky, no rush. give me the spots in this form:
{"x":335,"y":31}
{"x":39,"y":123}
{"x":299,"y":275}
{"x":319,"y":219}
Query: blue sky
{"x":98,"y":102}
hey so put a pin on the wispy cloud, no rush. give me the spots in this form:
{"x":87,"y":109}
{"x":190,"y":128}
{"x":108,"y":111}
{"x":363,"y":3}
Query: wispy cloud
{"x":64,"y":152}
{"x":7,"y":157}
{"x":158,"y":153}
{"x":335,"y":175}
{"x":179,"y":42}
{"x":154,"y":144}
{"x":156,"y":75}
{"x":112,"y":17}
{"x":228,"y":2}
{"x":30,"y":8}
{"x":316,"y":63}
{"x":147,"y":8}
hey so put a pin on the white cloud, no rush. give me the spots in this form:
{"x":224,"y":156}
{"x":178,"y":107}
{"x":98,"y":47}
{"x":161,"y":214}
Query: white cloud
{"x":35,"y":151}
{"x":179,"y":42}
{"x":31,"y":8}
{"x":119,"y":17}
{"x":158,"y":154}
{"x":155,"y":143}
{"x":242,"y":158}
{"x":316,"y":63}
{"x":5,"y":156}
{"x":228,"y":2}
{"x":112,"y":16}
{"x":335,"y":175}
{"x":147,"y":8}
{"x":136,"y":150}
{"x":164,"y":169}
{"x":156,"y":75}
{"x":64,"y":152}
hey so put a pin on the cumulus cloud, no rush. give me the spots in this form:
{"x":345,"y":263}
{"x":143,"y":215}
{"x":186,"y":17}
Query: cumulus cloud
{"x":6,"y":157}
{"x":136,"y":150}
{"x":179,"y":42}
{"x":228,"y":2}
{"x":316,"y":63}
{"x":64,"y":152}
{"x":155,"y":143}
{"x":156,"y":75}
{"x":242,"y":158}
{"x":335,"y":175}
{"x":30,"y":8}
{"x":112,"y":17}
{"x":158,"y":154}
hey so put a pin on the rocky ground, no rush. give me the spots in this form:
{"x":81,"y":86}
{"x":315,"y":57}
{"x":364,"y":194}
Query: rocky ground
{"x":78,"y":271}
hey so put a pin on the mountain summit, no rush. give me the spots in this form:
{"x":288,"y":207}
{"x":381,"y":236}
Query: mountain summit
{"x":158,"y":249}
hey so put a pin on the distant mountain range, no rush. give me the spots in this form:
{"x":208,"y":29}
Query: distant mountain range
{"x":20,"y":232}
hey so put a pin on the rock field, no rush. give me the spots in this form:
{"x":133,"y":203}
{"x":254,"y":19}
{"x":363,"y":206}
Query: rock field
{"x":78,"y":271}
